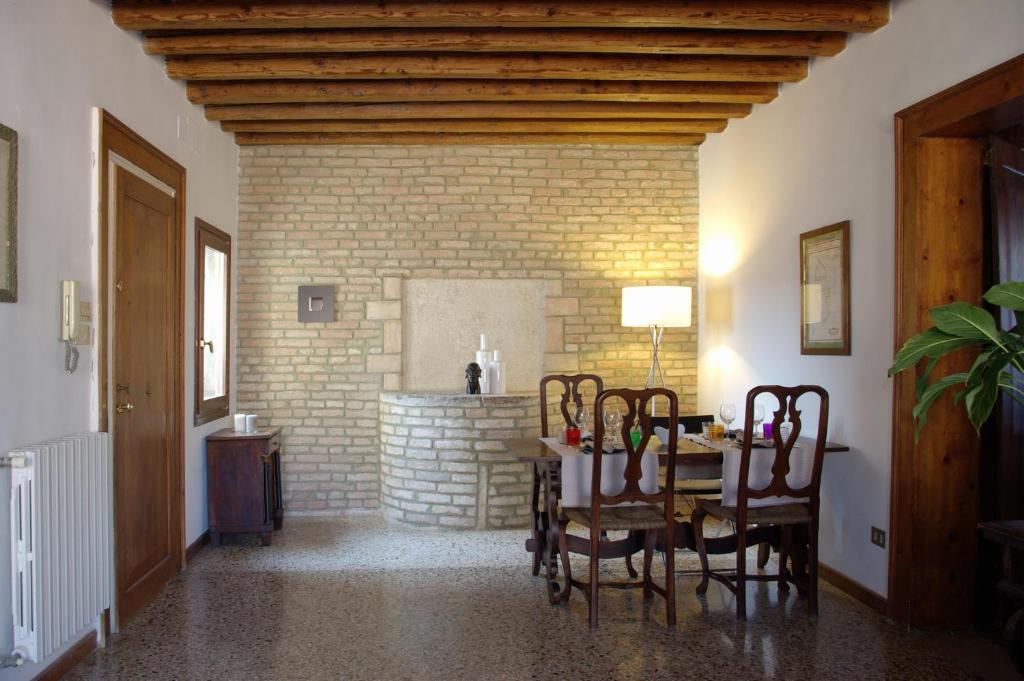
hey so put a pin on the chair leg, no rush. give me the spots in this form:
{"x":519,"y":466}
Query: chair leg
{"x":650,"y":538}
{"x":669,"y":544}
{"x":812,"y":566}
{"x":741,"y":572}
{"x":764,"y":553}
{"x":697,"y":523}
{"x":785,"y":544}
{"x":595,"y":549}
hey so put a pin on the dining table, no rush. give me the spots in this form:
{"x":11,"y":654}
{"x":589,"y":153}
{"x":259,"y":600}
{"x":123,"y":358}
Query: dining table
{"x":546,"y":462}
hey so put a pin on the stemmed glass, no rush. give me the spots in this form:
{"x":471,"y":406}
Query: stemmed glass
{"x":583,"y":418}
{"x":728,"y":413}
{"x":758,"y":419}
{"x":613,"y":423}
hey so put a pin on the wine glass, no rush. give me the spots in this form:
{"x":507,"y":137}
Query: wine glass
{"x":758,"y":419}
{"x":583,"y":418}
{"x":613,"y":423}
{"x":728,"y":413}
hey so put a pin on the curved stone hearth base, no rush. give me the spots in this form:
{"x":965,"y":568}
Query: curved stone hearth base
{"x":443,"y":463}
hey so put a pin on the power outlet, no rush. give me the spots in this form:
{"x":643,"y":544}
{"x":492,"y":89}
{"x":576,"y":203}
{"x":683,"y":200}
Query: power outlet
{"x":878,"y":537}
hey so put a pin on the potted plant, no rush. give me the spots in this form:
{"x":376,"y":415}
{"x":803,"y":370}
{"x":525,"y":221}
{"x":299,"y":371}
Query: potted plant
{"x":960,"y":325}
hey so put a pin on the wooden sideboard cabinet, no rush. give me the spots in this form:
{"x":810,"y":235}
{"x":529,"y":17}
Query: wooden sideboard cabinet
{"x":243,"y":480}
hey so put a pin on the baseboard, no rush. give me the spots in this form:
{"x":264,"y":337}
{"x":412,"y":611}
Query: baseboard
{"x":66,"y":662}
{"x":195,"y":547}
{"x":853,"y":588}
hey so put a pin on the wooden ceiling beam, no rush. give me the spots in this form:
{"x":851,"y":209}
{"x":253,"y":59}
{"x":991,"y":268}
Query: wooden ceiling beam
{"x":384,"y":91}
{"x":744,"y":43}
{"x":483,"y":125}
{"x":807,"y":15}
{"x":457,"y":110}
{"x":302,"y":138}
{"x":467,"y":65}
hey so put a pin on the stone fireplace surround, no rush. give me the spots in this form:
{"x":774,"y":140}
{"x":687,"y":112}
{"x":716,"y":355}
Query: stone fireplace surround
{"x":442,"y":458}
{"x":443,"y":462}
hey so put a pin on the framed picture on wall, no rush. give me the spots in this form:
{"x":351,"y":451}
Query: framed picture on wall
{"x":825,"y":290}
{"x":8,"y":215}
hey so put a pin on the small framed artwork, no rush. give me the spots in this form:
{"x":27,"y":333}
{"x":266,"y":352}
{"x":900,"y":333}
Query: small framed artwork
{"x":8,"y":215}
{"x":825,"y":290}
{"x":316,"y":304}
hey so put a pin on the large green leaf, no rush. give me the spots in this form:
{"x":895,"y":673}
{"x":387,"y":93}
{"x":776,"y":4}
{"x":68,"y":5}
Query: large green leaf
{"x":983,"y":385}
{"x":921,"y":384}
{"x":980,"y":400}
{"x":932,"y":393}
{"x":965,"y":321}
{"x":992,"y":358}
{"x":1009,"y":295}
{"x":930,"y":343}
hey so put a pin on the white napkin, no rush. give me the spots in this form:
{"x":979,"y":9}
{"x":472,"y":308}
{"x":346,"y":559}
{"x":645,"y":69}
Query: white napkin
{"x":578,"y":473}
{"x":801,"y":462}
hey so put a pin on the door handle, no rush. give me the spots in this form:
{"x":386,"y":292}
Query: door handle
{"x":206,"y":343}
{"x":126,"y":407}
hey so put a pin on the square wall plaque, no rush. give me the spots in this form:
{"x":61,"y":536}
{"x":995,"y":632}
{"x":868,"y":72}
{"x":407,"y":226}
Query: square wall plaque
{"x":316,"y":303}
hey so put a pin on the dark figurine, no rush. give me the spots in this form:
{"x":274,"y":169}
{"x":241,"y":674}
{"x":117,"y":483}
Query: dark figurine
{"x":472,"y":378}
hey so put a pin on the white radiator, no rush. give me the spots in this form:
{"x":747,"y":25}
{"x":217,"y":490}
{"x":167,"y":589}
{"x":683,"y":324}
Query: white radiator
{"x":61,"y":559}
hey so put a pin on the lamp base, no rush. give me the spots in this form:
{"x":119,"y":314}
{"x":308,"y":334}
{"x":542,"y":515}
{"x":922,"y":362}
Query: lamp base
{"x":655,"y":375}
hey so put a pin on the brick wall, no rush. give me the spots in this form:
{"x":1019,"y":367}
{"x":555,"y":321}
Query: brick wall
{"x":589,"y":218}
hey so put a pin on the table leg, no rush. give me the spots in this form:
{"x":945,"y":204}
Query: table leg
{"x":551,"y":544}
{"x":538,"y":533}
{"x":798,"y":557}
{"x":278,"y":496}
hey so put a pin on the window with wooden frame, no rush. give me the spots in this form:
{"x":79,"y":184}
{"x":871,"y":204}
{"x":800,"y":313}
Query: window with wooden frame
{"x":213,"y":323}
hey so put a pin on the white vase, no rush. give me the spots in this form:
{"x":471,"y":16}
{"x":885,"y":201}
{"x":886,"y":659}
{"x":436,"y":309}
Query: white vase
{"x":483,"y":359}
{"x":496,"y":374}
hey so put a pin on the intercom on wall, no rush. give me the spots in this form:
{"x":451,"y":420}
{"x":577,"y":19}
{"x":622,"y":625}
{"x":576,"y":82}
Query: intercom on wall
{"x":74,"y":327}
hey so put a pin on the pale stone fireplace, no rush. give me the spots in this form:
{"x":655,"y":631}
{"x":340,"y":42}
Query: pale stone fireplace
{"x":442,"y":458}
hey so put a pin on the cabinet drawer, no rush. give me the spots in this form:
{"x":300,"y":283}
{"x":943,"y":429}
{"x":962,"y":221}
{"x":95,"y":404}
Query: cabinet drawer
{"x":274,"y":444}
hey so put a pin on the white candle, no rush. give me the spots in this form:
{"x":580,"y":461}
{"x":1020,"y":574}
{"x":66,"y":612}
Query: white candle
{"x":250,"y":423}
{"x":239,"y":423}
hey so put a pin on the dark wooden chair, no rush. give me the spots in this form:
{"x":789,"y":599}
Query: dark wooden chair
{"x":693,"y":480}
{"x":572,"y":394}
{"x":648,"y":521}
{"x":786,"y":515}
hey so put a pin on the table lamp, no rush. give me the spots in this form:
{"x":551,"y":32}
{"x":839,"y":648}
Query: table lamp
{"x":657,"y":308}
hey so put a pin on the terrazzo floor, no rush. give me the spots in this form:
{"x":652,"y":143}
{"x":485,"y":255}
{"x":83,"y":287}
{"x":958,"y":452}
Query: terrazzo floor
{"x":353,"y":598}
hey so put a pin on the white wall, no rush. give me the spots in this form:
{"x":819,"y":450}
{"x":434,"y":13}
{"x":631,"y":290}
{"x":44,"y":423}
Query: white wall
{"x":821,"y":153}
{"x":59,"y":59}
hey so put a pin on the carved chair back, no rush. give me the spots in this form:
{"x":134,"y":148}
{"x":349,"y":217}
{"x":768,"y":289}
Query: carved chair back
{"x":636,"y":413}
{"x":571,"y":394}
{"x":788,"y":398}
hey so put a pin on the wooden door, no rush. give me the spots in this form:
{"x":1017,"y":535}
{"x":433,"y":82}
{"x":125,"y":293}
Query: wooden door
{"x":147,"y":503}
{"x":940,"y":253}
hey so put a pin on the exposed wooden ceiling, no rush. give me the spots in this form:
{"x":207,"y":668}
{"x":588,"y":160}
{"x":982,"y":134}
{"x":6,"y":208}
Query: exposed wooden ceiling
{"x":499,"y":72}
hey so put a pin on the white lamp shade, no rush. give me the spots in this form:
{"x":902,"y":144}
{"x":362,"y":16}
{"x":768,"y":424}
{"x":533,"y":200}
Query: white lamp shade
{"x":667,"y":306}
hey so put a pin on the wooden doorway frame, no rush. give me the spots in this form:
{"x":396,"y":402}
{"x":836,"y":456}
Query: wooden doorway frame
{"x":939,"y":258}
{"x":114,"y":137}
